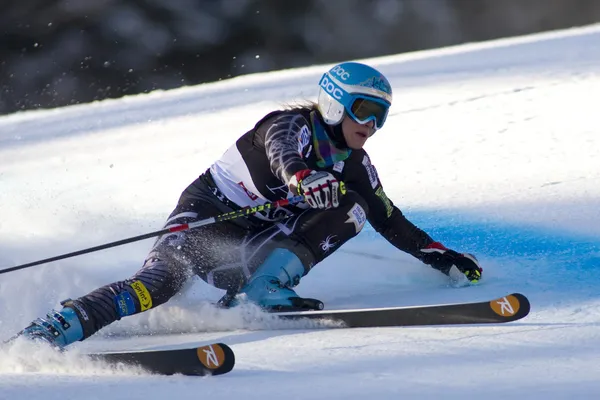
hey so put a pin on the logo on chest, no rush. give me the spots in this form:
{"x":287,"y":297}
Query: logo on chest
{"x":371,"y":171}
{"x":338,"y":167}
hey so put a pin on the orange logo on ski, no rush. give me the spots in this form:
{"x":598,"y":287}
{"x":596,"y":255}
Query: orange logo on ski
{"x":212,"y":356}
{"x":506,"y":306}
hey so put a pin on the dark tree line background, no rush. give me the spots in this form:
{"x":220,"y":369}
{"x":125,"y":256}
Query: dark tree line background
{"x":59,"y":52}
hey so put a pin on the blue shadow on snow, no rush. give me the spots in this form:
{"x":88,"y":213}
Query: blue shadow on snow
{"x":500,"y":239}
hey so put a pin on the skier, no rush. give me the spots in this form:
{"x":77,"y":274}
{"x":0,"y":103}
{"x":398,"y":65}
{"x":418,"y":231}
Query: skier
{"x":315,"y":150}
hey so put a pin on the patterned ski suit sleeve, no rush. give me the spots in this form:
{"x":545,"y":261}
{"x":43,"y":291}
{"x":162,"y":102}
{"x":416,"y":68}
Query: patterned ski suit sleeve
{"x":285,"y":138}
{"x":383,"y":215}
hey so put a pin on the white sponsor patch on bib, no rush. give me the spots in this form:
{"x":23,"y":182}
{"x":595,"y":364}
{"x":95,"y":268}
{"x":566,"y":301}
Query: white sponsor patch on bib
{"x":371,"y":171}
{"x":304,"y":138}
{"x":338,"y":166}
{"x":357,"y":216}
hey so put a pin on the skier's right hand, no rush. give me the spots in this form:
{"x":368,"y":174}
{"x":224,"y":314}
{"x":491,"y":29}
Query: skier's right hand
{"x":442,"y":258}
{"x":319,"y":188}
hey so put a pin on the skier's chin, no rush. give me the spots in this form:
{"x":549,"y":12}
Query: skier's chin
{"x":357,"y":141}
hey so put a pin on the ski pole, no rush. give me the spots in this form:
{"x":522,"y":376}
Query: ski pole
{"x":177,"y":228}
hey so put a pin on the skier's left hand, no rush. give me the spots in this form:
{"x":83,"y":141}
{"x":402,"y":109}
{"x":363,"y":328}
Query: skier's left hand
{"x":444,"y":259}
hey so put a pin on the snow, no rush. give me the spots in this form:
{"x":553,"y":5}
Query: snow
{"x":491,"y":148}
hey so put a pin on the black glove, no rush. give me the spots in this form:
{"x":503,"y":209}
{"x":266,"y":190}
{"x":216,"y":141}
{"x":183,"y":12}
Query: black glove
{"x":443,"y":259}
{"x":319,"y":188}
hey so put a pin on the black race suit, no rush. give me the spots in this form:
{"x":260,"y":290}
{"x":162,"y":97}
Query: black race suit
{"x":255,"y":170}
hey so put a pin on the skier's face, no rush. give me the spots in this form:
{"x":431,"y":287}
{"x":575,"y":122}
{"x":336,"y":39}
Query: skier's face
{"x":356,"y":134}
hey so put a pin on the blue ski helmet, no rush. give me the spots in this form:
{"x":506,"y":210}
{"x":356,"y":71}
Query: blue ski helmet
{"x":360,"y":91}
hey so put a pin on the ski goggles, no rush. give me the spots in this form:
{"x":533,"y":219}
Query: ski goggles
{"x":364,"y":109}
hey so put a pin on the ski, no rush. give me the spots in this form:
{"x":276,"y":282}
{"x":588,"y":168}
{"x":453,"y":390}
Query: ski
{"x":213,"y":359}
{"x":509,"y":308}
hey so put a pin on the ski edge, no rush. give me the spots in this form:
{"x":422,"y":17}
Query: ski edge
{"x":519,"y":296}
{"x":511,"y":307}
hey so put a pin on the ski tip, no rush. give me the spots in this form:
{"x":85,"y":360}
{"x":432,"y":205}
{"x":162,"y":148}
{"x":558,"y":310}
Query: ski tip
{"x":210,"y":359}
{"x":218,"y":358}
{"x":511,"y":307}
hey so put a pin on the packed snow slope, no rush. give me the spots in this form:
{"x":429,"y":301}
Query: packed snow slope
{"x":492,"y":148}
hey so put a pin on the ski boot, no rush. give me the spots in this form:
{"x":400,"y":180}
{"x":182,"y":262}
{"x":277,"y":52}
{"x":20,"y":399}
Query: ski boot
{"x":58,"y":329}
{"x":270,"y":287}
